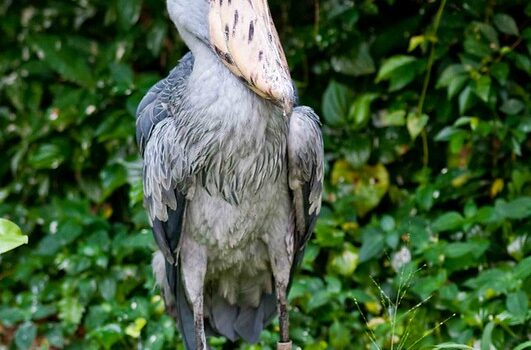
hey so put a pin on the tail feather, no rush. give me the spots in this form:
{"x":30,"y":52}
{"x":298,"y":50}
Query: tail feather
{"x":168,"y":276}
{"x":249,"y":323}
{"x":185,"y":316}
{"x":223,"y":317}
{"x":234,"y":321}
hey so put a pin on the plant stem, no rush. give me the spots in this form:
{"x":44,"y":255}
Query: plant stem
{"x":431,"y":59}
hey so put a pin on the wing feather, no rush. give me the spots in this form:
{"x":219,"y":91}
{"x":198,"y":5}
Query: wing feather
{"x":155,"y":106}
{"x":306,"y":163}
{"x":165,"y":162}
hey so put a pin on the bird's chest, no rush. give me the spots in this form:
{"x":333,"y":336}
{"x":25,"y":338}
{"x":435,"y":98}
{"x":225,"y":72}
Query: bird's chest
{"x":245,"y":155}
{"x":242,"y":186}
{"x":236,"y":235}
{"x":242,"y":181}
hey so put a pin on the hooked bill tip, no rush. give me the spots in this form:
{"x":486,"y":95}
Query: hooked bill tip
{"x":287,"y":105}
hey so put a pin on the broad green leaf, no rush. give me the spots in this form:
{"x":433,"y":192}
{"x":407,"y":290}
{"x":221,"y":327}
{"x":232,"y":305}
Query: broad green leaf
{"x":123,"y":77}
{"x":369,"y":184}
{"x":459,"y":249}
{"x":400,"y":71}
{"x":65,"y":233}
{"x":489,"y":33}
{"x":523,"y":269}
{"x":450,"y":74}
{"x":47,"y":156}
{"x":512,"y":106}
{"x":395,"y":118}
{"x":112,"y":177}
{"x":487,"y":215}
{"x":134,"y":329}
{"x":113,"y":127}
{"x":128,"y":12}
{"x":519,"y":208}
{"x":155,"y":37}
{"x":107,"y":288}
{"x":505,"y":24}
{"x":482,"y":88}
{"x":472,"y":121}
{"x":11,"y":316}
{"x":358,"y":63}
{"x":517,"y":304}
{"x":327,"y":236}
{"x":340,"y":336}
{"x":424,"y":196}
{"x":390,"y":66}
{"x":322,"y":297}
{"x":62,"y":58}
{"x":522,"y":62}
{"x":493,"y":281}
{"x":480,"y":40}
{"x":525,"y":125}
{"x":360,"y":110}
{"x":523,"y":346}
{"x":10,"y":236}
{"x":25,"y":336}
{"x":416,"y":41}
{"x":107,"y":335}
{"x":373,"y":245}
{"x":456,"y":85}
{"x":466,"y":99}
{"x":336,"y":103}
{"x":425,"y":286}
{"x":500,"y":71}
{"x":71,"y":310}
{"x":486,"y":338}
{"x":358,"y":150}
{"x":448,"y":132}
{"x":448,"y":222}
{"x":345,"y":262}
{"x":416,"y":123}
{"x":387,"y":223}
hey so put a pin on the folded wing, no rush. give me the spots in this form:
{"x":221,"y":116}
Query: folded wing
{"x":306,"y":162}
{"x":167,"y":176}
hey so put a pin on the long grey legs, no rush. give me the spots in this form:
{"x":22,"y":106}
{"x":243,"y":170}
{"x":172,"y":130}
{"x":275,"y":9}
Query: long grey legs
{"x":193,"y":269}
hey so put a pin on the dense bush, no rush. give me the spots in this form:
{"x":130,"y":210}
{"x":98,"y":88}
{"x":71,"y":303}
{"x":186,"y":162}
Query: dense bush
{"x":424,"y":233}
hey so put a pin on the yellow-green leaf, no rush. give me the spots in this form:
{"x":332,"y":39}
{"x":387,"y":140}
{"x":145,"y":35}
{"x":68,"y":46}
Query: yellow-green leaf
{"x":416,"y":123}
{"x":135,"y":328}
{"x":10,"y":236}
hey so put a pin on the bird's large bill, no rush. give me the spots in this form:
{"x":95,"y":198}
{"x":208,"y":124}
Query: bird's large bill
{"x":244,"y":36}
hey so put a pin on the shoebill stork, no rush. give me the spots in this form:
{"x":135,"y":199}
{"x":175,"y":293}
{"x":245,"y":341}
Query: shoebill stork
{"x":233,"y":172}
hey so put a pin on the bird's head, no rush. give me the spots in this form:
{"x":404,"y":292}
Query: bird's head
{"x":242,"y":34}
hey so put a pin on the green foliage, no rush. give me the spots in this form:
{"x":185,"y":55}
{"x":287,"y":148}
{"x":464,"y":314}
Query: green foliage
{"x":423,"y":239}
{"x":10,"y":236}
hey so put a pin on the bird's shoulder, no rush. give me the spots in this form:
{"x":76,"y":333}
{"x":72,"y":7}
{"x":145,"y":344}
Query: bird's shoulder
{"x":155,"y":106}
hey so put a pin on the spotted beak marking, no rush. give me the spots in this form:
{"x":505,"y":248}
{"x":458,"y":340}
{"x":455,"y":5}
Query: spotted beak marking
{"x":243,"y":35}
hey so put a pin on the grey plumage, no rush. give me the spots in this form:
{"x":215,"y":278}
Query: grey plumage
{"x":232,"y":188}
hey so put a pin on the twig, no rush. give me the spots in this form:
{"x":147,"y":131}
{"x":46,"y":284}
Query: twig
{"x":431,"y":59}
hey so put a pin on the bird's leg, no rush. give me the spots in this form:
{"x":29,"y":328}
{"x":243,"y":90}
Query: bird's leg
{"x":282,"y":305}
{"x":199,"y":326}
{"x":281,"y":266}
{"x":193,"y":267}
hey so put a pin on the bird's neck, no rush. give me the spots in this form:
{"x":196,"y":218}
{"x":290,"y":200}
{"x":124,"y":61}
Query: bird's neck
{"x":213,"y":88}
